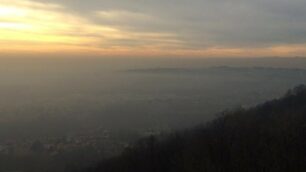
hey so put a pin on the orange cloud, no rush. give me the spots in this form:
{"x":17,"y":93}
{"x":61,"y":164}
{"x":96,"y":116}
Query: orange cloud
{"x":24,"y":24}
{"x":28,"y":27}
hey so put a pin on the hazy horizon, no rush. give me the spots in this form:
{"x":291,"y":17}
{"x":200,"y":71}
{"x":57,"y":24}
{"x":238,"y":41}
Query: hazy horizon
{"x":84,"y":94}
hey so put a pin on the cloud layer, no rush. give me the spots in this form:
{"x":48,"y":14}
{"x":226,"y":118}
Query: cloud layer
{"x":156,"y":27}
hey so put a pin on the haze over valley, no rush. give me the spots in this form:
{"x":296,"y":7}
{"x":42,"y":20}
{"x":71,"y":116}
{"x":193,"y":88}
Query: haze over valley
{"x":42,"y":97}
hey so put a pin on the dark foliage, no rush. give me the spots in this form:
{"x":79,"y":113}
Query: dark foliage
{"x":268,"y":138}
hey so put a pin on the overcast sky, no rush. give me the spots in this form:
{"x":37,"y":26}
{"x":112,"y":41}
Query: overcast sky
{"x":154,"y":27}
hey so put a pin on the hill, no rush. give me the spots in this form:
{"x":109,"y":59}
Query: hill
{"x":269,"y":137}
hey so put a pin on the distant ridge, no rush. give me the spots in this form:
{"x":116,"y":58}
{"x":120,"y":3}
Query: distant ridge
{"x":222,"y":71}
{"x":214,"y":69}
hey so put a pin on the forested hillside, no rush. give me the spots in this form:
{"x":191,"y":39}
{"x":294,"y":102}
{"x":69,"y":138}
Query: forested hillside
{"x":269,"y":137}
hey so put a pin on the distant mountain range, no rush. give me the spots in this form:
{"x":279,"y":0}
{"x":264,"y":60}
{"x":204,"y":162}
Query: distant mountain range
{"x":223,"y":70}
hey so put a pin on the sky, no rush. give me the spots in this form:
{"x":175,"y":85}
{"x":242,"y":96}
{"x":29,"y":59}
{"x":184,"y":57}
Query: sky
{"x":153,"y":28}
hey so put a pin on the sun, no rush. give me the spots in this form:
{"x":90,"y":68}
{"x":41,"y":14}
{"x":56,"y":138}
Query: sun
{"x":9,"y":11}
{"x":10,"y":18}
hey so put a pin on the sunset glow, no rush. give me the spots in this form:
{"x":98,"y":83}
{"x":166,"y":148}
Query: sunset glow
{"x":28,"y":26}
